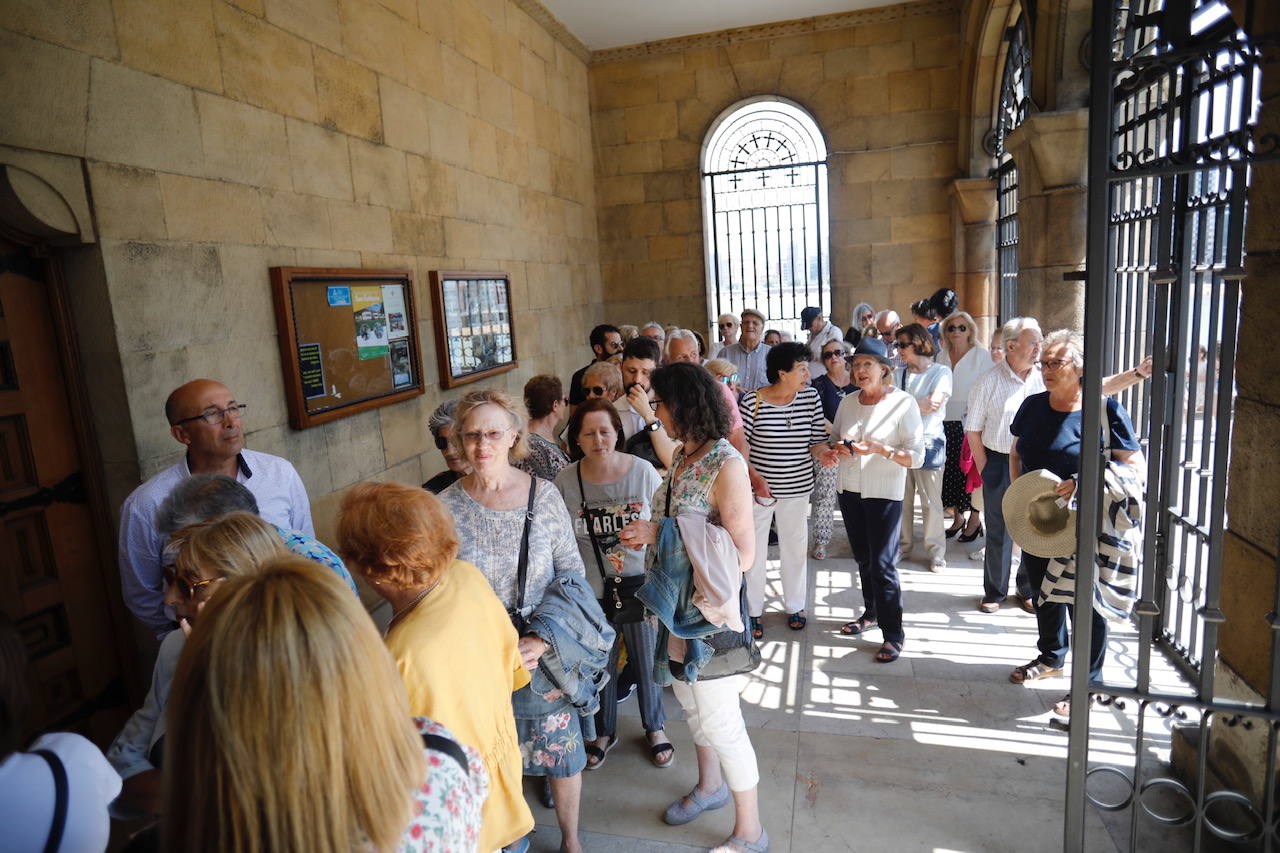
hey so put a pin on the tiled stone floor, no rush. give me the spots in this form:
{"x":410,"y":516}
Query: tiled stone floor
{"x":935,"y":752}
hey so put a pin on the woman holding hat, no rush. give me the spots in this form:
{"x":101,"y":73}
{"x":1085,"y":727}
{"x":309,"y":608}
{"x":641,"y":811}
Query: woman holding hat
{"x":1047,"y":436}
{"x":877,"y":436}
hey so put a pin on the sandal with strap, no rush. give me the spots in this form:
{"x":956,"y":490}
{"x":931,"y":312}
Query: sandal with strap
{"x":1033,"y":670}
{"x":858,"y":626}
{"x":658,"y":750}
{"x":595,"y":752}
{"x":796,"y":621}
{"x":757,"y":629}
{"x":889,"y":652}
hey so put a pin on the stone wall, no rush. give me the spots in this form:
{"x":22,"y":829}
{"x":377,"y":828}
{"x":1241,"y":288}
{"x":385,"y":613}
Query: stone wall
{"x":223,"y":138}
{"x":882,"y":84}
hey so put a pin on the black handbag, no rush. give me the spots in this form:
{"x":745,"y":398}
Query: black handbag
{"x":620,"y":605}
{"x":522,"y":571}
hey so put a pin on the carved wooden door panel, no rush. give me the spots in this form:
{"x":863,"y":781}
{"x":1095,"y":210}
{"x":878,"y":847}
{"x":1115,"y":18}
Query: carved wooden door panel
{"x":51,"y":577}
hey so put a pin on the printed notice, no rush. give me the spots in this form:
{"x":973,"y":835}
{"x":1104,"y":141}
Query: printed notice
{"x":371,"y":321}
{"x":401,"y":365}
{"x":393,"y":304}
{"x":311,"y":370}
{"x":339,"y":296}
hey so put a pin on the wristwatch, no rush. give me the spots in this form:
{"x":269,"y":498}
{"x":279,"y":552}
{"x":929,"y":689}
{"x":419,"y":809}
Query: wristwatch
{"x":654,"y":426}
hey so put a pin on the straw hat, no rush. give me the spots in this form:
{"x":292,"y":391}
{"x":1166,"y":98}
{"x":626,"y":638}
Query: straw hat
{"x":1034,"y":518}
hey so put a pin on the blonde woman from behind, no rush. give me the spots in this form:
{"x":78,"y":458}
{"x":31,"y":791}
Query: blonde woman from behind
{"x":289,"y":729}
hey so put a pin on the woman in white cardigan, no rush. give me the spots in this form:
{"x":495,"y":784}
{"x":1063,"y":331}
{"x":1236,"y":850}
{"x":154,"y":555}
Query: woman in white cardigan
{"x":879,"y":437}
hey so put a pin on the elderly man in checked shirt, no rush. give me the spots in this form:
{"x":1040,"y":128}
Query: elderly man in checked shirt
{"x":993,"y":401}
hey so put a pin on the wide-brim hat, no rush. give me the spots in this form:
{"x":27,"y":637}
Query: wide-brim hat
{"x":873,"y":347}
{"x":1035,"y":518}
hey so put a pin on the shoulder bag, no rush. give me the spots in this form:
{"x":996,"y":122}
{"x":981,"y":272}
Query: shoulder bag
{"x":522,"y":571}
{"x":935,"y":451}
{"x":620,"y":605}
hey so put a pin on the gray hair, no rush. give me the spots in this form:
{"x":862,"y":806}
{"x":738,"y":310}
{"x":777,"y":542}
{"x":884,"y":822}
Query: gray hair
{"x":442,"y":417}
{"x":1010,"y":330}
{"x":680,"y":335}
{"x":1073,"y":341}
{"x":653,"y":324}
{"x":886,"y":314}
{"x":201,"y":497}
{"x":858,"y":310}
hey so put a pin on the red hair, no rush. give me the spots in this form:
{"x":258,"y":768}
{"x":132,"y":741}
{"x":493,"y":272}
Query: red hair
{"x":395,"y":534}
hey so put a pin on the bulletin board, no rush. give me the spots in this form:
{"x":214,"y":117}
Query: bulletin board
{"x":348,"y":340}
{"x":474,"y":325}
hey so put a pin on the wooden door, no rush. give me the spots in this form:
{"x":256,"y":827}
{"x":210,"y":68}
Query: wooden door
{"x":52,"y":581}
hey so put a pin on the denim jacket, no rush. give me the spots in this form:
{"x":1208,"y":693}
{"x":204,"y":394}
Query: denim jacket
{"x":570,"y":622}
{"x":668,"y":593}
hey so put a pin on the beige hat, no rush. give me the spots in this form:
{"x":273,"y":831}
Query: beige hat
{"x":753,"y":312}
{"x":1034,"y":518}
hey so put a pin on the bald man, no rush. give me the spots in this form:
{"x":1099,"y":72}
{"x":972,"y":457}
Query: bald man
{"x":205,"y":418}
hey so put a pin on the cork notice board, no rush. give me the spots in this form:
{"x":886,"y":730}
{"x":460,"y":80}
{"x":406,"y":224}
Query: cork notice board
{"x":348,"y":340}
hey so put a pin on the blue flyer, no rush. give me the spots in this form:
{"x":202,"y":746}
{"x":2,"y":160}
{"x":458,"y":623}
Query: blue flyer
{"x":339,"y":295}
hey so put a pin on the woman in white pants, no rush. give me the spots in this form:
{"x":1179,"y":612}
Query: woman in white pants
{"x":781,"y":422}
{"x":930,"y":383}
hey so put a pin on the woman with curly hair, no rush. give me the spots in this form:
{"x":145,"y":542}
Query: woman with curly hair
{"x":402,"y":541}
{"x":708,"y":480}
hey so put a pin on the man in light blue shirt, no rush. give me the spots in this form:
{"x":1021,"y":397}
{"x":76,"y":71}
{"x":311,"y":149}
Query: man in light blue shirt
{"x":748,"y":354}
{"x":205,"y":417}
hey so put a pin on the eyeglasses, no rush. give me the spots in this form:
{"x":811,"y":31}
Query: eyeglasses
{"x":834,"y":353}
{"x":594,"y":391}
{"x":888,"y":336}
{"x":653,"y":404}
{"x":185,"y":588}
{"x":960,"y":328}
{"x":613,"y":346}
{"x":214,"y":415}
{"x":493,"y":436}
{"x":902,"y":344}
{"x":726,"y":325}
{"x":1054,"y":364}
{"x":441,"y":442}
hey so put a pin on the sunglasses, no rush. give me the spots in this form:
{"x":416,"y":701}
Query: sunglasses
{"x":835,"y":353}
{"x":902,"y":344}
{"x":730,"y":379}
{"x":960,"y":328}
{"x":441,"y":442}
{"x":726,"y":325}
{"x":185,"y":588}
{"x":594,"y":391}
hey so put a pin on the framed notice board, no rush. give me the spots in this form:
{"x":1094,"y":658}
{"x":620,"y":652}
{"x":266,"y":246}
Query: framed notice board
{"x":348,"y":340}
{"x":475,"y":330}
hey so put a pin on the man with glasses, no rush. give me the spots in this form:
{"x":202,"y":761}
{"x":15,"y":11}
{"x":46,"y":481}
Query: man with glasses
{"x":205,"y":417}
{"x":887,"y":324}
{"x":605,"y":341}
{"x":993,"y":401}
{"x":748,"y":354}
{"x":727,"y":329}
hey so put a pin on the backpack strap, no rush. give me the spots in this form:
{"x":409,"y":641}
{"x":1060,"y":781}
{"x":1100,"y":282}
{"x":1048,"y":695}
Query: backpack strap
{"x":60,"y":799}
{"x":450,"y":748}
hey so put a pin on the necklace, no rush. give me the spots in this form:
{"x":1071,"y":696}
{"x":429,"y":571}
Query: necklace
{"x":417,"y":599}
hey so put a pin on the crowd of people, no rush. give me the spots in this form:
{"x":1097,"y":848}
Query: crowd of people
{"x":578,"y":546}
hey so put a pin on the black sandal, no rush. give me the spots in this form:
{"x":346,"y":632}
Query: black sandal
{"x":858,"y":626}
{"x":757,"y":630}
{"x":657,"y":750}
{"x":889,"y":652}
{"x":796,"y":621}
{"x":599,"y":754}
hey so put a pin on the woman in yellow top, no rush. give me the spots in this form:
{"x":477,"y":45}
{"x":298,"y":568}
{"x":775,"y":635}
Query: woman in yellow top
{"x":449,"y":635}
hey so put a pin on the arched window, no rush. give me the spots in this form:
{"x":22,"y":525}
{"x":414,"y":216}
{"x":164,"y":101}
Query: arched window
{"x":764,"y":185}
{"x":1015,"y":99}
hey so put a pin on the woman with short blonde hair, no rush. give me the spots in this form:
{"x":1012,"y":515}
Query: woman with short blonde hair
{"x":968,"y":360}
{"x":603,"y":375}
{"x":449,"y":635}
{"x":287,"y":709}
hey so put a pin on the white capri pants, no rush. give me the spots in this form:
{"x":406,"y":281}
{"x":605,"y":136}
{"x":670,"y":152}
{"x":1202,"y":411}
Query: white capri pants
{"x":714,"y":713}
{"x":793,"y":542}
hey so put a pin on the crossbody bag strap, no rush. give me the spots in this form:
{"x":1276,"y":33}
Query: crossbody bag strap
{"x":586,"y":519}
{"x":522,"y":568}
{"x":450,"y":748}
{"x":60,"y":799}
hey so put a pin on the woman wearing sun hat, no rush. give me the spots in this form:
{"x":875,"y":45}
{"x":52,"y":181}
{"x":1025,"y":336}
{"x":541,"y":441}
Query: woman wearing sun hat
{"x":1047,"y":441}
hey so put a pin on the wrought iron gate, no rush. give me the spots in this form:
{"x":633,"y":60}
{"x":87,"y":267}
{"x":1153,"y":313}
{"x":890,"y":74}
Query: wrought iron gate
{"x":1174,"y":101}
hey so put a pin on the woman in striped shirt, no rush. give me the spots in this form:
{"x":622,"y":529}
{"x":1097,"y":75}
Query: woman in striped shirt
{"x":782,"y":422}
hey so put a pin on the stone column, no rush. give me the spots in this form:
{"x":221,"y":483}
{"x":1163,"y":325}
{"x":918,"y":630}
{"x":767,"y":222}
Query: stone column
{"x":973,"y":222}
{"x":1051,"y":153}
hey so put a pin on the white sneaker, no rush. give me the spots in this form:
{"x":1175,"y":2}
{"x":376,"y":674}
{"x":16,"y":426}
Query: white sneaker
{"x":978,"y":554}
{"x":938,"y":566}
